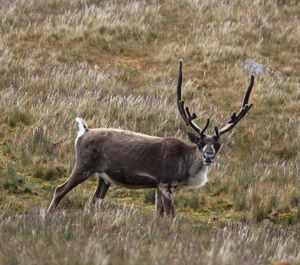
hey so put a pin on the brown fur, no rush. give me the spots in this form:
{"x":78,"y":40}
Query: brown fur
{"x":132,"y":160}
{"x":136,"y":160}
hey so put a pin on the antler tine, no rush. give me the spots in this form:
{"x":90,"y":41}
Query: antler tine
{"x":184,"y":111}
{"x":248,"y":92}
{"x":179,"y":84}
{"x":217,"y":134}
{"x":205,"y":127}
{"x":235,"y":118}
{"x":180,"y":102}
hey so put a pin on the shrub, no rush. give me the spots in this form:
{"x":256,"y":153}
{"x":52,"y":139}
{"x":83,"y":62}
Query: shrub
{"x":15,"y":183}
{"x":16,"y":116}
{"x":50,"y":172}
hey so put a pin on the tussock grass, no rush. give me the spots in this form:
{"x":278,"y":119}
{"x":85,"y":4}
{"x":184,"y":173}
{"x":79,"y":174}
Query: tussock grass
{"x":52,"y":72}
{"x":115,"y":65}
{"x":115,"y":235}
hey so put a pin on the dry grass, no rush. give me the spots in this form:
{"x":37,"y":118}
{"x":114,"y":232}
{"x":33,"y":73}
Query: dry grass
{"x":115,"y":65}
{"x":123,"y":235}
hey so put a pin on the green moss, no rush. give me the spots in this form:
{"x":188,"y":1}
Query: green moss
{"x":222,"y":206}
{"x":287,"y":218}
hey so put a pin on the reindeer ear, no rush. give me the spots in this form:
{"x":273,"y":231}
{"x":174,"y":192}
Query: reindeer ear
{"x":193,"y":138}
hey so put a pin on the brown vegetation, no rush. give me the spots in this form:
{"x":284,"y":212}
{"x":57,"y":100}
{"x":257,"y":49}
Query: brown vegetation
{"x":114,"y":63}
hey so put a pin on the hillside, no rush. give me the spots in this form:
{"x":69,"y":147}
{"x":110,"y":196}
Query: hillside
{"x":115,"y":64}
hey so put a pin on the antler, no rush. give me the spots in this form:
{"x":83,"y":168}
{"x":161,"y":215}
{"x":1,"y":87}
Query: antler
{"x":184,"y":111}
{"x":235,"y":118}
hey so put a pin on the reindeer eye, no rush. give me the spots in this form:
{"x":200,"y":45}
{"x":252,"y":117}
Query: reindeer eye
{"x":201,"y":144}
{"x":217,"y":146}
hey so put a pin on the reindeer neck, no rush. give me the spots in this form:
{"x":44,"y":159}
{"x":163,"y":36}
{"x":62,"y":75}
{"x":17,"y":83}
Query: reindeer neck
{"x":198,"y":171}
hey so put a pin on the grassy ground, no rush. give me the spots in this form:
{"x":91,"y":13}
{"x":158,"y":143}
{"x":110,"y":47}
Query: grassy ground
{"x":127,"y":236}
{"x":114,"y":63}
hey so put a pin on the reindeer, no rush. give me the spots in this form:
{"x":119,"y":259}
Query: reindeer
{"x":138,"y":161}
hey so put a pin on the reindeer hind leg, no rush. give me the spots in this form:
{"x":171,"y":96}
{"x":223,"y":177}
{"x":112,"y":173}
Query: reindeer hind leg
{"x":79,"y":174}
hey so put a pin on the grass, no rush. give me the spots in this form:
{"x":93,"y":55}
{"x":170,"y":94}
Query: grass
{"x":115,"y":65}
{"x":86,"y":238}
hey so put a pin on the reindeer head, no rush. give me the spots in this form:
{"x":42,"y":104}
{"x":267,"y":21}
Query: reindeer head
{"x":209,"y":144}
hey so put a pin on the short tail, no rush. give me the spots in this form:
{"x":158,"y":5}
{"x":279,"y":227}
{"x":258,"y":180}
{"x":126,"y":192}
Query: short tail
{"x":82,"y":126}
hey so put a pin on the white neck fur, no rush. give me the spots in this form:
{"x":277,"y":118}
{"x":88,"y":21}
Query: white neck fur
{"x":199,"y":178}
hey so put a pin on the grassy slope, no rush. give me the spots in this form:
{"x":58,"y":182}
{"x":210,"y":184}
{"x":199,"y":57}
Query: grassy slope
{"x":115,"y":64}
